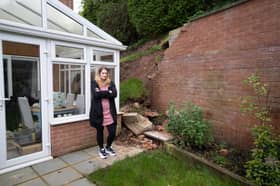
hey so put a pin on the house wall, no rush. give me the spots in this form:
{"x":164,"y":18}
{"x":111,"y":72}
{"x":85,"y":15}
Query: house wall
{"x":71,"y":137}
{"x":68,"y":3}
{"x":20,"y":49}
{"x":75,"y":136}
{"x":210,"y":58}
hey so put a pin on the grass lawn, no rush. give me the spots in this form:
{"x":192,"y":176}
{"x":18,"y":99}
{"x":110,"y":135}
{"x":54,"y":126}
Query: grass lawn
{"x":156,"y":168}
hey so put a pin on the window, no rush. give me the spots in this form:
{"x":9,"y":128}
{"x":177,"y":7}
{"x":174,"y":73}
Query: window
{"x":103,"y":56}
{"x":60,"y":22}
{"x":68,"y":52}
{"x":92,"y":34}
{"x":68,"y":90}
{"x":94,"y":71}
{"x":21,"y":11}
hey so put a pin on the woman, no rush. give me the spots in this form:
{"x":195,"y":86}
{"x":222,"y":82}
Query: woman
{"x":103,"y":110}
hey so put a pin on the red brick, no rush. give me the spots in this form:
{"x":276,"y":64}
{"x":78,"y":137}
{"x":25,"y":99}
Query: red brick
{"x":211,"y":57}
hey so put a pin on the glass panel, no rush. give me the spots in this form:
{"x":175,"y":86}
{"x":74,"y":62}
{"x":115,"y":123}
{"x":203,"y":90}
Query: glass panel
{"x":69,"y":52}
{"x":103,"y":56}
{"x":23,"y":124}
{"x":58,"y":21}
{"x":92,"y":34}
{"x":94,"y":71}
{"x":21,"y":11}
{"x":69,"y":92}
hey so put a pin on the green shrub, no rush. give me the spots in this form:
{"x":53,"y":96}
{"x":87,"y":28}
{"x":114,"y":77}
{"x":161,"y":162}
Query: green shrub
{"x":158,"y":16}
{"x":136,"y":55}
{"x":220,"y":160}
{"x":264,"y":167}
{"x":131,"y":89}
{"x":188,"y":126}
{"x":112,"y":17}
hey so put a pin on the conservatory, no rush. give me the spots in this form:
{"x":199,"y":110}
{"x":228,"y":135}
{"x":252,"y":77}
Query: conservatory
{"x":49,"y":55}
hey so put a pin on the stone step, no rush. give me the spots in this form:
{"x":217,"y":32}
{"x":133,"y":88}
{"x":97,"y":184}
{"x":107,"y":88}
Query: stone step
{"x":159,"y":135}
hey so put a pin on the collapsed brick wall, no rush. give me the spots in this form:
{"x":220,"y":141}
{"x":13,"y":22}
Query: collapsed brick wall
{"x":143,"y":68}
{"x":210,"y":58}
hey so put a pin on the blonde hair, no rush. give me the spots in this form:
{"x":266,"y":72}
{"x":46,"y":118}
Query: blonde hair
{"x":100,"y":82}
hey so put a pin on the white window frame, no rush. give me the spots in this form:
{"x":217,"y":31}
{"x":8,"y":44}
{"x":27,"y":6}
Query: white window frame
{"x":9,"y":77}
{"x":114,"y":63}
{"x":67,"y":61}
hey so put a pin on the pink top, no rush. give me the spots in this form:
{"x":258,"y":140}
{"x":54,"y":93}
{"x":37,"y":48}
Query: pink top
{"x":107,"y":117}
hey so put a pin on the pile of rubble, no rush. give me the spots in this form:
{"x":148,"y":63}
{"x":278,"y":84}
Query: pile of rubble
{"x":139,"y":130}
{"x":126,"y":137}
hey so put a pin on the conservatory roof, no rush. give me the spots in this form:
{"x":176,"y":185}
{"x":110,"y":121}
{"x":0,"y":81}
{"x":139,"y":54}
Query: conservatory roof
{"x":52,"y":19}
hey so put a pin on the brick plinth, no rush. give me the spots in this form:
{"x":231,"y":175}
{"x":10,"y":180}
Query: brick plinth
{"x":71,"y":137}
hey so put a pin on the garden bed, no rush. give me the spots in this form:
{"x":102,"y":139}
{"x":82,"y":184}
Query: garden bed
{"x":160,"y":169}
{"x":191,"y":157}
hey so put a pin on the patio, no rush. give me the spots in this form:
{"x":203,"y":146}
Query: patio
{"x":70,"y":169}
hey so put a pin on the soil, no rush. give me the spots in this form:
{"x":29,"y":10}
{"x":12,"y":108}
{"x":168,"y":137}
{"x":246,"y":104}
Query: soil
{"x":226,"y":157}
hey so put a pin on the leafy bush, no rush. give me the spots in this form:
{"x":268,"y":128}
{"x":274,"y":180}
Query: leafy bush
{"x":264,"y":168}
{"x":154,"y":17}
{"x":188,"y":126}
{"x":131,"y":89}
{"x":112,"y":17}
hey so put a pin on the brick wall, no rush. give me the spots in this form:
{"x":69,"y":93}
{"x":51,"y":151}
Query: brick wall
{"x":210,"y":58}
{"x":68,"y":3}
{"x":76,"y":136}
{"x":71,"y":137}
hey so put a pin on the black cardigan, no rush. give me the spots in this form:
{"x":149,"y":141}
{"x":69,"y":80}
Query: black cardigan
{"x":96,"y":110}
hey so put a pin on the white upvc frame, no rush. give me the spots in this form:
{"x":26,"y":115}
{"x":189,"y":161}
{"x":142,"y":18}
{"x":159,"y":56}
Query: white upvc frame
{"x":9,"y":59}
{"x":67,"y":61}
{"x":103,"y":62}
{"x":25,"y":160}
{"x":69,"y":12}
{"x":9,"y":74}
{"x":115,"y":64}
{"x":108,"y":42}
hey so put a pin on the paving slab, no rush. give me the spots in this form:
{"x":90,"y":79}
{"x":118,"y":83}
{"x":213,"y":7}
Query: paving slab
{"x":81,"y":182}
{"x":49,"y":166}
{"x":34,"y":182}
{"x":75,"y":157}
{"x":70,"y":169}
{"x":161,"y":136}
{"x":92,"y":151}
{"x":62,"y":176}
{"x":136,"y":123}
{"x":112,"y":159}
{"x":87,"y":167}
{"x":17,"y":176}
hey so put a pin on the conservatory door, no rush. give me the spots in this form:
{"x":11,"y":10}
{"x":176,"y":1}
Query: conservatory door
{"x":23,"y":134}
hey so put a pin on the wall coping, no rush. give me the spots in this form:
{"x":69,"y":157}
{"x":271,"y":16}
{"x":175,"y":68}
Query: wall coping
{"x":212,"y":12}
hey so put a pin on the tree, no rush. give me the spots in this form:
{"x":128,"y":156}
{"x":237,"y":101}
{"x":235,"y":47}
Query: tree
{"x":112,"y":17}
